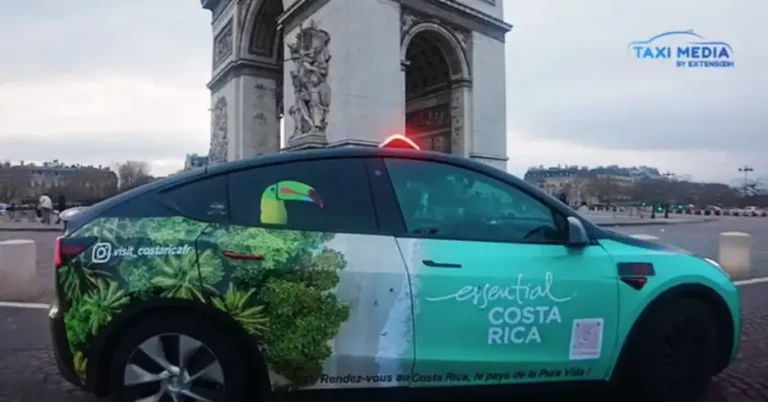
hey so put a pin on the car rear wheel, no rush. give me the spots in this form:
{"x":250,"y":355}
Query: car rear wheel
{"x":177,"y":359}
{"x":673,"y":355}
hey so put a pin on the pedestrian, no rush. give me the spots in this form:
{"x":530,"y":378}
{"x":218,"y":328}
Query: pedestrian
{"x":62,"y":206}
{"x":45,"y":206}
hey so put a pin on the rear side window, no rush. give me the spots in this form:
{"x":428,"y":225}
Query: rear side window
{"x":331,"y":195}
{"x":204,"y":200}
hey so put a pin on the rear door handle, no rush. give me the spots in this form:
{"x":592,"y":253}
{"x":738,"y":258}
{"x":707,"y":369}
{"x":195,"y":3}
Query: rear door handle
{"x":237,"y":256}
{"x":433,"y":264}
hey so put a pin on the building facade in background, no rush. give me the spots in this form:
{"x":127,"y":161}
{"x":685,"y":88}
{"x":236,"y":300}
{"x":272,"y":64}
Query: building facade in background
{"x":194,"y":161}
{"x":582,"y":185}
{"x":79,"y":183}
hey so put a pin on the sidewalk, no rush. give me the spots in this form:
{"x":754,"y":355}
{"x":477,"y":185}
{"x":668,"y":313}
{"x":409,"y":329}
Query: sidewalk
{"x":608,"y":219}
{"x":8,"y":226}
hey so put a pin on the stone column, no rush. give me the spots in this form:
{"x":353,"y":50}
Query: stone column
{"x":246,"y":83}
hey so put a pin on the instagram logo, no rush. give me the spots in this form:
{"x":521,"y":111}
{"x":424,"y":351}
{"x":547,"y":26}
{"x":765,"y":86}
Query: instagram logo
{"x":101,"y":252}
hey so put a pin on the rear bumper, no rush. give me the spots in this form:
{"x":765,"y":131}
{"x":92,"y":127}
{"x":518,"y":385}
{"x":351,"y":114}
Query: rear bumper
{"x":61,"y":351}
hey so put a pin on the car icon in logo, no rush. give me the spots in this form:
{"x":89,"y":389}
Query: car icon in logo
{"x":101,"y":252}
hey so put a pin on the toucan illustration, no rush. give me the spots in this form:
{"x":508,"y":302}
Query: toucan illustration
{"x":274,"y":197}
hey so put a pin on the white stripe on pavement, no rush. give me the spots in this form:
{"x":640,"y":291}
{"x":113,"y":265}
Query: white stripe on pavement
{"x":24,"y":305}
{"x":751,"y":281}
{"x":46,"y":306}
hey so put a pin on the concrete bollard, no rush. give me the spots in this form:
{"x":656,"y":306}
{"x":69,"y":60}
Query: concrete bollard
{"x":645,"y":237}
{"x":18,"y":281}
{"x":735,"y":254}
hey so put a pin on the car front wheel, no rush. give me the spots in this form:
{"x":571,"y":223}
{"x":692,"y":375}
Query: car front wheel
{"x":673,"y":355}
{"x":177,"y":359}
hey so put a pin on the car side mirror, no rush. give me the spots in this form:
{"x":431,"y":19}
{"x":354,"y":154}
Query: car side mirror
{"x":577,"y":235}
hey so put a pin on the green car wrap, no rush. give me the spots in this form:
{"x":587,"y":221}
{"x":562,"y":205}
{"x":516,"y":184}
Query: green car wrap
{"x":355,"y":327}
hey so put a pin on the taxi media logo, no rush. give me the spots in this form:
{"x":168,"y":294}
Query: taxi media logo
{"x":696,"y":52}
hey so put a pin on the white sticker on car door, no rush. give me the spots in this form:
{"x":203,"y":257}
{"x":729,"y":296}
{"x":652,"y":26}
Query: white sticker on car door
{"x":586,"y":338}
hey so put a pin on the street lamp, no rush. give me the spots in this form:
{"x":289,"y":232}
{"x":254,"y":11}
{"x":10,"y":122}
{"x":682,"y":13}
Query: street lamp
{"x":746,"y":170}
{"x":669,"y":176}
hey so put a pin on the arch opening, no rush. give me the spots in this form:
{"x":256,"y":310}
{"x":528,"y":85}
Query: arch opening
{"x":434,"y":66}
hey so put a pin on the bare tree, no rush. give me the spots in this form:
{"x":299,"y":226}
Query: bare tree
{"x":132,"y":174}
{"x":607,"y":190}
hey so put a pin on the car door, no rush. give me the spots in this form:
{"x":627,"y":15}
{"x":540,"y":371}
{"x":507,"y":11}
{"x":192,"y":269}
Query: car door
{"x":303,"y":267}
{"x":498,"y":296}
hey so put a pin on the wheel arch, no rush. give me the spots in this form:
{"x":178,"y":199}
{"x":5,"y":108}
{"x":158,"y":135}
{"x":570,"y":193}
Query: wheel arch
{"x":104,"y":345}
{"x":723,"y":321}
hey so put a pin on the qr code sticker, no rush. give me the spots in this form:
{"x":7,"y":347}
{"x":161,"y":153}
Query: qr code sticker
{"x":586,"y":338}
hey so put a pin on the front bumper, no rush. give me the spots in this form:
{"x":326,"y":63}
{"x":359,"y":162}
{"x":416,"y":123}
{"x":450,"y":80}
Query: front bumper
{"x":61,"y":351}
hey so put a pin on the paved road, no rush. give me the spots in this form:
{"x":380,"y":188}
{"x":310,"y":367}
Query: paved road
{"x":28,"y":372}
{"x":702,"y":238}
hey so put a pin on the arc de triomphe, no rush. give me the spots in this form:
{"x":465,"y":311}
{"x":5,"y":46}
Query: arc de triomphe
{"x":353,"y":72}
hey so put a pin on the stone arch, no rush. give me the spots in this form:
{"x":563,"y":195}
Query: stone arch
{"x":437,"y":84}
{"x":260,"y":36}
{"x":446,"y":41}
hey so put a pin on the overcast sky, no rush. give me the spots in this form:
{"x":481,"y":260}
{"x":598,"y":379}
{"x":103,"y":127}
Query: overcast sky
{"x":102,"y":81}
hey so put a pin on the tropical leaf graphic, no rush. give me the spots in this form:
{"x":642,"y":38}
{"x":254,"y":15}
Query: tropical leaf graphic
{"x":178,"y":277}
{"x":102,"y":303}
{"x":70,"y":283}
{"x":238,"y":305}
{"x":80,"y":364}
{"x":171,"y":230}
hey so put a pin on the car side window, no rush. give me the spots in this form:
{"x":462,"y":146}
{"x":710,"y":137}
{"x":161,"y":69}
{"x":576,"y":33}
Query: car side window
{"x":331,"y":195}
{"x":204,"y":200}
{"x":445,"y":201}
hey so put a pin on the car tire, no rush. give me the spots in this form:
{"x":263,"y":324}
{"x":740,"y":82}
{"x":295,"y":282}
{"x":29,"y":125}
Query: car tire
{"x":136,"y":372}
{"x":673,"y":354}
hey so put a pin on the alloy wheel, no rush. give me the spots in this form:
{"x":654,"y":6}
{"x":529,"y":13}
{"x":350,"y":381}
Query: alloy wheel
{"x":174,"y":368}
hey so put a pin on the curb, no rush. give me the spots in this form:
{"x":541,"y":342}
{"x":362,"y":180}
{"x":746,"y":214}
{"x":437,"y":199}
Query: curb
{"x":651,"y":222}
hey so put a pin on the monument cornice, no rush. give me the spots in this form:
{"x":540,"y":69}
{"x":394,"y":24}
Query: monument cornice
{"x":461,"y":15}
{"x":449,"y":10}
{"x":244,"y":67}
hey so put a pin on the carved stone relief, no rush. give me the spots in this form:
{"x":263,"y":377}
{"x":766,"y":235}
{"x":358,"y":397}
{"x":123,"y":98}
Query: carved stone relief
{"x":220,"y":7}
{"x":309,"y":79}
{"x":409,"y":20}
{"x":222,"y":45}
{"x":218,"y":151}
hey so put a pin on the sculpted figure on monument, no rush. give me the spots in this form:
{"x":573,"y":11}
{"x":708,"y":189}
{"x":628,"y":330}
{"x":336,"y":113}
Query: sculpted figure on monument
{"x":219,"y":138}
{"x":309,"y":78}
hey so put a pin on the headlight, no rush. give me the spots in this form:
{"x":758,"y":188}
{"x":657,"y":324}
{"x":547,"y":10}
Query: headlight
{"x":716,"y":265}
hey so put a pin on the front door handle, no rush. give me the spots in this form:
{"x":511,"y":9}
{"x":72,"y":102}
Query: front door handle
{"x":433,"y":264}
{"x":237,"y":256}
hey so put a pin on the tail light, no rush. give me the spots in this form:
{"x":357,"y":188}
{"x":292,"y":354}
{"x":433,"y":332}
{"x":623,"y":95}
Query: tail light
{"x":66,"y":248}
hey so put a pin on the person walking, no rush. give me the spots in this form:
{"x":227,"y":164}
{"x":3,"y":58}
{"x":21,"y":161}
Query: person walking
{"x":45,"y":206}
{"x":61,"y":207}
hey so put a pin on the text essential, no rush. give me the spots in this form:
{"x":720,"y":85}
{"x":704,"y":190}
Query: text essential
{"x":103,"y":252}
{"x":517,"y":324}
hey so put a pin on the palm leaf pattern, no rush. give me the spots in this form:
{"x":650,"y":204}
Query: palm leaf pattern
{"x":179,"y":277}
{"x":237,"y":304}
{"x":102,"y":303}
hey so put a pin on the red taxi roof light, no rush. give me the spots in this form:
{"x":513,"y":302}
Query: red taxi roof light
{"x":399,"y":141}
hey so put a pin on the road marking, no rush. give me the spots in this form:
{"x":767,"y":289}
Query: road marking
{"x":25,"y":305}
{"x":751,"y":281}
